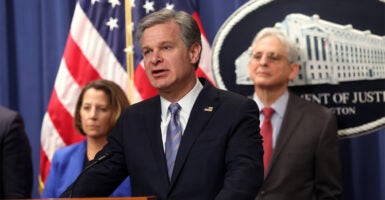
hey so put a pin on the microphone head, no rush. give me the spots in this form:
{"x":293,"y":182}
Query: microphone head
{"x":104,"y":156}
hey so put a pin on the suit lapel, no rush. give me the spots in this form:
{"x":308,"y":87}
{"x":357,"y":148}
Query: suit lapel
{"x":76,"y":161}
{"x":155,"y":135}
{"x":292,"y":117}
{"x":203,"y":109}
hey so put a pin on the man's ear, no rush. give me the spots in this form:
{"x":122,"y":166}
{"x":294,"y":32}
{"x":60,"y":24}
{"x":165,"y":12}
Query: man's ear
{"x":294,"y":69}
{"x":194,"y":52}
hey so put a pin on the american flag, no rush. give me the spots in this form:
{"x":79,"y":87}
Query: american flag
{"x":96,"y":48}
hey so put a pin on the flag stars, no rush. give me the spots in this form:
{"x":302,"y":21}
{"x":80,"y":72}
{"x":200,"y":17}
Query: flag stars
{"x":129,"y":50}
{"x":114,"y":3}
{"x":169,"y":6}
{"x":94,"y":1}
{"x":132,"y":2}
{"x":149,"y":6}
{"x":112,"y":23}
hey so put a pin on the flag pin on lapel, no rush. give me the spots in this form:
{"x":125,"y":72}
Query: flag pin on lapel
{"x":208,"y":109}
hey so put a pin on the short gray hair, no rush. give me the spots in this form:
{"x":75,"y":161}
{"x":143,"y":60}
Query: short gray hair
{"x":291,"y":47}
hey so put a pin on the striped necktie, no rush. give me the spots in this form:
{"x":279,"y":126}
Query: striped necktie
{"x":173,"y":137}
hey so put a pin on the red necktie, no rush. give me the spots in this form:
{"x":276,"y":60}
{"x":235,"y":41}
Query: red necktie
{"x":267,"y":134}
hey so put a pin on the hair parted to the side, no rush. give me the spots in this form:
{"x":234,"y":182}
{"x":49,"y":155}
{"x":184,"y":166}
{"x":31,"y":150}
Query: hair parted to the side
{"x":117,"y":99}
{"x":189,"y":28}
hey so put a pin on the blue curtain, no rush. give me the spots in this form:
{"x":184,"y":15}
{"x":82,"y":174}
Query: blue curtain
{"x":363,"y":166}
{"x":32,"y":38}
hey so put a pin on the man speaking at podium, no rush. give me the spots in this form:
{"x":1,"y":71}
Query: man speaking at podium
{"x":193,"y":141}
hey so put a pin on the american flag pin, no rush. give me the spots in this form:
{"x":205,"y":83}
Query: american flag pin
{"x":208,"y":109}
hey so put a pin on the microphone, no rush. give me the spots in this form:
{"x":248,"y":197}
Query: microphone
{"x":105,"y":156}
{"x":100,"y":159}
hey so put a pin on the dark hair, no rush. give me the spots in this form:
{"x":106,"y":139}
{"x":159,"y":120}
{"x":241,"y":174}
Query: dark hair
{"x":117,"y":98}
{"x":189,"y":28}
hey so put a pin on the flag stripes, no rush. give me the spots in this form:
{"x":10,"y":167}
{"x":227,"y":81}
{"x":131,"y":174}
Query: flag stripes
{"x":95,"y":49}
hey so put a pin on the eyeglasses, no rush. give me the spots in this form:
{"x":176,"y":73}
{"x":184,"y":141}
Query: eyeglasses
{"x":271,"y":57}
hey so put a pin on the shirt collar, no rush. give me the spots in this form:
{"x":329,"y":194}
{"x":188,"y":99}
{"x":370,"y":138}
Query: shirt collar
{"x":186,"y":103}
{"x":279,"y":105}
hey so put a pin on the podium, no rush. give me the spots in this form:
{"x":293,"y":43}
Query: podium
{"x":109,"y":198}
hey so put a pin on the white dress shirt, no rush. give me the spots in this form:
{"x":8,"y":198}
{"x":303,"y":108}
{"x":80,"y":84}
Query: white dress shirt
{"x":279,"y":107}
{"x":186,"y":104}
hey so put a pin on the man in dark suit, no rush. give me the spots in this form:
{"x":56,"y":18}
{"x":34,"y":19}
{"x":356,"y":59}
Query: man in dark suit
{"x":304,"y":162}
{"x":220,"y":150}
{"x":15,"y":157}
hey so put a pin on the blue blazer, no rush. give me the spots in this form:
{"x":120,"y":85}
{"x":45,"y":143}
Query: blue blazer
{"x":66,"y":165}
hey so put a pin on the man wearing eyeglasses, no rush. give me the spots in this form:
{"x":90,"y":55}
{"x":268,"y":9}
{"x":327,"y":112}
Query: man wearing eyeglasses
{"x":301,"y":153}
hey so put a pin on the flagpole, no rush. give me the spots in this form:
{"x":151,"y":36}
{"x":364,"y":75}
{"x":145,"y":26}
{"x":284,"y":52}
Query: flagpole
{"x":129,"y":51}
